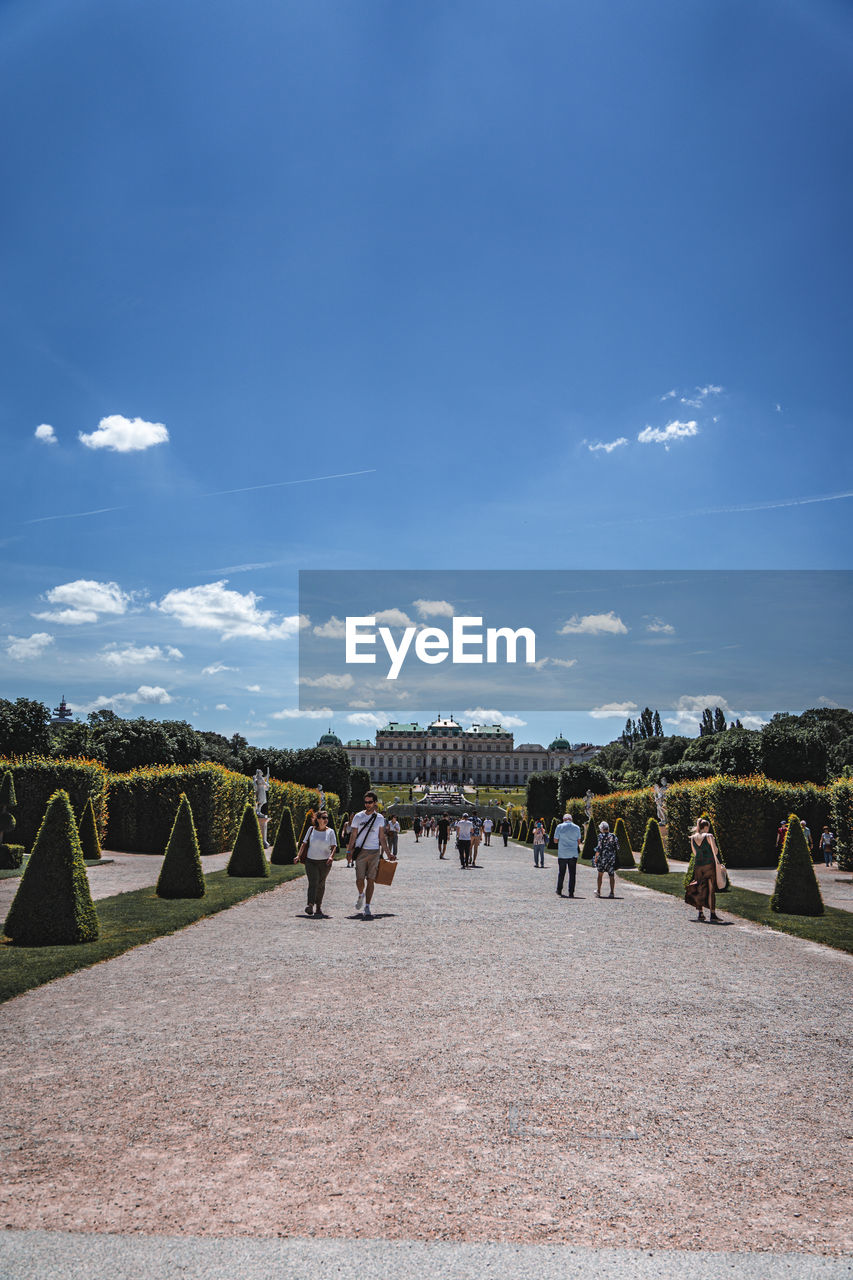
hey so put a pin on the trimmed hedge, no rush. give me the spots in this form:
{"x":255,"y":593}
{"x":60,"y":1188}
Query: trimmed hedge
{"x":181,"y":875}
{"x":841,"y":822}
{"x":299,"y":800}
{"x":143,"y":805}
{"x":796,"y":892}
{"x":625,"y":858}
{"x":247,"y":857}
{"x":590,"y":840}
{"x":11,"y":856}
{"x":88,"y":831}
{"x":38,"y":778}
{"x":745,"y":814}
{"x":652,"y":857}
{"x":633,"y":807}
{"x":53,"y":905}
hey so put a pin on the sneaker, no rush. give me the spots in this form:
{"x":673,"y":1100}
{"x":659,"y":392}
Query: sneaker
{"x":366,"y":913}
{"x":309,"y":910}
{"x":359,"y":902}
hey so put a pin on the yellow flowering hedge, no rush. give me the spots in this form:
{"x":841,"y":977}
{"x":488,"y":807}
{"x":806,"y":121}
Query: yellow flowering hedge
{"x":36,"y":778}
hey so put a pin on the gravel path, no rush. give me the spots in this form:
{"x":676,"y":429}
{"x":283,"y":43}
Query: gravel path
{"x":482,"y":1062}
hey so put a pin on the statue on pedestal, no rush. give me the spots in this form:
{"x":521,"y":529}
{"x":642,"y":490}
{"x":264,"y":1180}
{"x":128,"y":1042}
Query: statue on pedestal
{"x":261,"y":783}
{"x":660,"y":790}
{"x":587,"y":804}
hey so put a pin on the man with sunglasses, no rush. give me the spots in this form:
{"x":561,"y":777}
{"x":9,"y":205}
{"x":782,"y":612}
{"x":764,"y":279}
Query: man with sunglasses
{"x":368,"y":840}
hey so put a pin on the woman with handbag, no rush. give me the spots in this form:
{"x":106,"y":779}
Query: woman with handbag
{"x":708,"y":869}
{"x":604,"y":859}
{"x":317,"y":851}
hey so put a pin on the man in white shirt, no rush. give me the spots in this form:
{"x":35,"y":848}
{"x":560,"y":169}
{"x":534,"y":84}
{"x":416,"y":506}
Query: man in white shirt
{"x":393,"y":834}
{"x":367,"y":842}
{"x":567,"y":835}
{"x":488,"y":827}
{"x":463,"y":839}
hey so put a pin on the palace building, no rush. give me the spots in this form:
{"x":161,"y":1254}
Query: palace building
{"x":445,"y":752}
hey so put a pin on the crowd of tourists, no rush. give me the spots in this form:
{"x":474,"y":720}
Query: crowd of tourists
{"x":369,"y":836}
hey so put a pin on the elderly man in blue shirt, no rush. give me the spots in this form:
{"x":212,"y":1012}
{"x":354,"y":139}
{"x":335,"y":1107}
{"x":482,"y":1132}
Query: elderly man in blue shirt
{"x":568,"y":837}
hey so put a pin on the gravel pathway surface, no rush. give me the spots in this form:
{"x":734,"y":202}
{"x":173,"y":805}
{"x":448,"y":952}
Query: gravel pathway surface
{"x":481,"y":1062}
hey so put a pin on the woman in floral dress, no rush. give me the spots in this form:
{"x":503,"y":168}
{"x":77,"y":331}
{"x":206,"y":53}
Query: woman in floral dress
{"x":605,"y":858}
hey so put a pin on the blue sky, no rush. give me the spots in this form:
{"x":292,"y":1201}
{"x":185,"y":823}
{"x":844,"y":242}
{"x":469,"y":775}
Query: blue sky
{"x":453,"y":248}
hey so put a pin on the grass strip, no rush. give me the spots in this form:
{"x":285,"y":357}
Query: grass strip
{"x":127,"y":920}
{"x":834,"y":928}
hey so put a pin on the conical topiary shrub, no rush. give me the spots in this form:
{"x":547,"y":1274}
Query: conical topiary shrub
{"x":590,"y":840}
{"x":181,"y":875}
{"x":53,"y":906}
{"x":625,"y":856}
{"x":284,"y":849}
{"x":309,"y":822}
{"x":10,"y":854}
{"x":88,"y":830}
{"x":247,"y":857}
{"x":552,"y":843}
{"x":652,"y":856}
{"x":796,"y":892}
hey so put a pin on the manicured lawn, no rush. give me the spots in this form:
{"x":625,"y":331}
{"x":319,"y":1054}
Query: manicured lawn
{"x":127,"y":920}
{"x":834,"y":928}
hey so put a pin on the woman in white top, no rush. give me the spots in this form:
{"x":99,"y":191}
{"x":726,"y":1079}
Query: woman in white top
{"x":317,"y":852}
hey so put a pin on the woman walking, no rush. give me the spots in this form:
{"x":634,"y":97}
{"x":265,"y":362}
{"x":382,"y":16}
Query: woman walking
{"x":605,"y":858}
{"x":706,"y":855}
{"x":416,"y":827}
{"x":539,"y":838}
{"x":317,"y":852}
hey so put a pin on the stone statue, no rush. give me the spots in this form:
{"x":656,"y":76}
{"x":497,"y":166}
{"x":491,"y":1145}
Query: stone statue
{"x":321,"y":793}
{"x":587,"y":804}
{"x":262,"y":785}
{"x":660,"y":790}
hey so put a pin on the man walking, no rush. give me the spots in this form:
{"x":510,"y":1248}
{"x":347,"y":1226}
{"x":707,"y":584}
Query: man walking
{"x":506,"y":827}
{"x":463,"y":840}
{"x":567,"y":835}
{"x":366,"y":843}
{"x":443,"y":827}
{"x":487,"y":831}
{"x":393,"y":834}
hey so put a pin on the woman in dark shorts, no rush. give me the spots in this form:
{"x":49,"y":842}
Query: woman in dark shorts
{"x":705,"y":851}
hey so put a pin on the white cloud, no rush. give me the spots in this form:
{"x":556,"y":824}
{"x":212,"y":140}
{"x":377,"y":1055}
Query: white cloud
{"x":309,"y":713}
{"x":490,"y":715}
{"x":434,"y":608}
{"x":674,"y":430}
{"x":392,"y":618}
{"x":327,"y":681}
{"x":609,"y":710}
{"x":136,"y":655}
{"x":594,"y":624}
{"x":153,"y":695}
{"x":46,"y":434}
{"x":368,"y":719}
{"x":124,"y":435}
{"x":554,"y":662}
{"x":669,"y":395}
{"x":821,"y":702}
{"x":253,"y":688}
{"x":363,"y":702}
{"x":658,"y":626}
{"x":215,"y":668}
{"x":608,"y":448}
{"x":688,"y":712}
{"x":778,"y":408}
{"x":222,"y":706}
{"x":212,"y":607}
{"x":84,"y":601}
{"x":701,"y":394}
{"x":20,"y":648}
{"x":334,"y":629}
